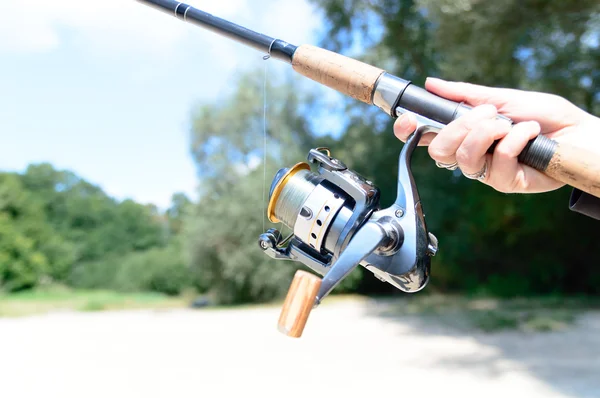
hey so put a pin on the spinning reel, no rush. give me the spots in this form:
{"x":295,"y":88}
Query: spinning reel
{"x":334,"y":213}
{"x":338,"y":224}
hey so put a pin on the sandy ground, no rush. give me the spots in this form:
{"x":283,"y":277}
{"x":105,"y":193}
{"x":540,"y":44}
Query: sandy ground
{"x":345,"y":352}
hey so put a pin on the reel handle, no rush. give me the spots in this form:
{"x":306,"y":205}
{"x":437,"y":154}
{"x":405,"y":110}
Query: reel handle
{"x":298,"y":303}
{"x":307,"y":290}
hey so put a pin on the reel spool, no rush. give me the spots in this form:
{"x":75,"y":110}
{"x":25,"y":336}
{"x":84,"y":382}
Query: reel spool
{"x":338,"y":224}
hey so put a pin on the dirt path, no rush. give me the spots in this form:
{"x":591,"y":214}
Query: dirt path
{"x":231,"y":353}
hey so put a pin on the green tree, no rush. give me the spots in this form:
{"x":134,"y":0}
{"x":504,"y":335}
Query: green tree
{"x":228,"y":147}
{"x":178,"y":212}
{"x":488,"y":240}
{"x":58,"y":228}
{"x":21,"y":265}
{"x":30,"y":249}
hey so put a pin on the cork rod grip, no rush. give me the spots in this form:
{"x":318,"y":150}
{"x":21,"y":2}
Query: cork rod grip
{"x":298,"y":303}
{"x":576,"y":167}
{"x":343,"y":74}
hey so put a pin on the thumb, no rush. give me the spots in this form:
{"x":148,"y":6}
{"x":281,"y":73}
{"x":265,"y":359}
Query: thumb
{"x":471,"y":94}
{"x":405,"y":125}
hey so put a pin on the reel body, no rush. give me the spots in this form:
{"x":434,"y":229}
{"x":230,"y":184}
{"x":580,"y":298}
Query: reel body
{"x":338,"y":223}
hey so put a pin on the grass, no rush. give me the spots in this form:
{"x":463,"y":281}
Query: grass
{"x":536,"y":314}
{"x":278,"y":303}
{"x":62,"y":299}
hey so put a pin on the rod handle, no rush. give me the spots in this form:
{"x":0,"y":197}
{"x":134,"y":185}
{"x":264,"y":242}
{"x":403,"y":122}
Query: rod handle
{"x":338,"y":72}
{"x":298,"y":303}
{"x":571,"y":165}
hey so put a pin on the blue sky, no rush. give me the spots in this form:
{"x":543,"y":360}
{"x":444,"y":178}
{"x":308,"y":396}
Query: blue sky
{"x":106,"y":88}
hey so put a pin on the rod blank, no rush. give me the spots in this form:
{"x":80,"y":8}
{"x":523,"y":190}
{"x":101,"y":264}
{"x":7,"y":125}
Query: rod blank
{"x":250,"y":38}
{"x":217,"y":25}
{"x":359,"y":80}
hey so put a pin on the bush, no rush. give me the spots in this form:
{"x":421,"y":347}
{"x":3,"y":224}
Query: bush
{"x":161,"y":270}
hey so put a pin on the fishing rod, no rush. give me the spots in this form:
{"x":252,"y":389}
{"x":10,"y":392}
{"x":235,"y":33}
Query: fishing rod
{"x":393,"y":95}
{"x":335,"y":213}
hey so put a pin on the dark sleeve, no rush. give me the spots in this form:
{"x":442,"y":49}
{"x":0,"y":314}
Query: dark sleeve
{"x":584,"y":203}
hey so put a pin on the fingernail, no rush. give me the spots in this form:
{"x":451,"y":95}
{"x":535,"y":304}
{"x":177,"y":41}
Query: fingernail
{"x":433,"y":79}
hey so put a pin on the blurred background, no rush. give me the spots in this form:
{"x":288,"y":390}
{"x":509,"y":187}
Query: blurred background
{"x":132,"y":195}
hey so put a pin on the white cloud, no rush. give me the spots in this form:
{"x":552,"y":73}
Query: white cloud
{"x":107,"y":30}
{"x":292,"y":21}
{"x":129,"y":25}
{"x":116,"y":25}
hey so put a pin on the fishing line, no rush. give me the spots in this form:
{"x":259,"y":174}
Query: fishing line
{"x":266,"y":58}
{"x":265,"y":199}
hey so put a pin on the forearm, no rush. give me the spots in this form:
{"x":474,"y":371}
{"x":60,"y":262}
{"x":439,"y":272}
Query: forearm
{"x":582,"y":202}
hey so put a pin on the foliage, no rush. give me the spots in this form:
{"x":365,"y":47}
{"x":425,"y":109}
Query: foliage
{"x":56,"y":297}
{"x":490,"y":242}
{"x":55,"y":227}
{"x":30,"y":249}
{"x":160,"y":269}
{"x":58,"y":228}
{"x":226,"y":223}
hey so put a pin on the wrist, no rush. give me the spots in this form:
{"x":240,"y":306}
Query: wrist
{"x":590,"y":128}
{"x":585,"y":134}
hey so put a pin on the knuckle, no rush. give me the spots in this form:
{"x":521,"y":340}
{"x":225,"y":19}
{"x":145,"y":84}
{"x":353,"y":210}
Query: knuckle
{"x":503,"y":152}
{"x":481,"y":116}
{"x":533,"y":126}
{"x":489,"y":126}
{"x":463,"y":156}
{"x":469,"y":124}
{"x":436,"y":152}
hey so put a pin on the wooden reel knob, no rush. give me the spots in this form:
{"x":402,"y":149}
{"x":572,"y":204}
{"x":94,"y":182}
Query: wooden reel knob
{"x":298,"y":303}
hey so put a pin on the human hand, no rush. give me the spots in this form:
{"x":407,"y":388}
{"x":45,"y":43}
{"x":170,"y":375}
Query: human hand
{"x":465,"y":141}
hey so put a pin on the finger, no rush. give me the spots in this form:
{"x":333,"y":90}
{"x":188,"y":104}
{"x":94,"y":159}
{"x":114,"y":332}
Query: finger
{"x":472,"y":94}
{"x":507,"y":174}
{"x":471,"y":155}
{"x":405,"y":125}
{"x":552,"y":111}
{"x":444,"y":146}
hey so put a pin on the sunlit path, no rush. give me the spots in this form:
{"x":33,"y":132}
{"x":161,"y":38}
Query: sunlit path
{"x":344,"y":352}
